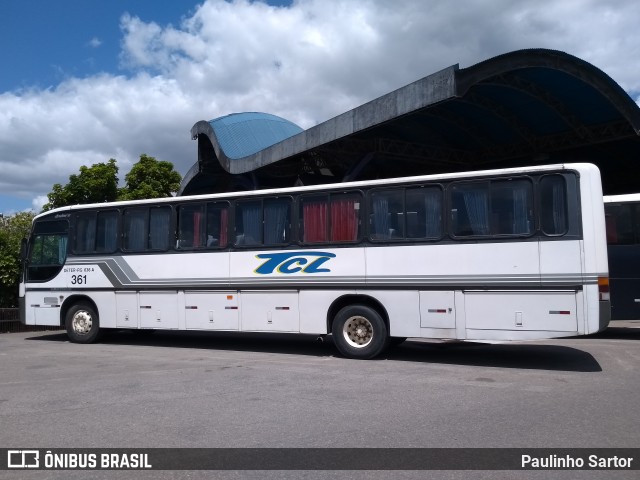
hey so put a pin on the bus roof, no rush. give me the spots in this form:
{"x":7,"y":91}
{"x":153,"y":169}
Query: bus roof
{"x":631,"y":197}
{"x":328,"y":187}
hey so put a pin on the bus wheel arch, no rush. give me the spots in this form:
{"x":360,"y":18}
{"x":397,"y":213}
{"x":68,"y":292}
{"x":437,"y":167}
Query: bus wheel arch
{"x":359,"y":325}
{"x":81,"y":319}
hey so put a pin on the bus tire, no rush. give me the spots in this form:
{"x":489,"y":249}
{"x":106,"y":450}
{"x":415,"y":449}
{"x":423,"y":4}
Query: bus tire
{"x":359,"y":332}
{"x":82,"y":323}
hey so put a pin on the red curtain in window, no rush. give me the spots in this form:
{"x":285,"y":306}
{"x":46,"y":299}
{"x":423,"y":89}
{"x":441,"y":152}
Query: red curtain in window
{"x":315,"y":221}
{"x":224,"y":220}
{"x":197,"y":216}
{"x":344,"y":221}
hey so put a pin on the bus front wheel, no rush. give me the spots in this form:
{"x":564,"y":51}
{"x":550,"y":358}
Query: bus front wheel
{"x":359,"y":332}
{"x":82,"y":323}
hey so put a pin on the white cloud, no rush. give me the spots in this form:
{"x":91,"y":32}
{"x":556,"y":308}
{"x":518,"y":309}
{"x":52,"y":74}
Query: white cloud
{"x":39,"y":202}
{"x":95,"y":42}
{"x":307,"y":63}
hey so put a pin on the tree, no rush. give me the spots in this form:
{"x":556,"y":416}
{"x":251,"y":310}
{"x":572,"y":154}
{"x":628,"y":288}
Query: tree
{"x":95,"y":184}
{"x":150,"y":178}
{"x":12,"y":230}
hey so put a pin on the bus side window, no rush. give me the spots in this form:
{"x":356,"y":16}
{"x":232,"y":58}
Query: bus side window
{"x":470,"y":209}
{"x":248,"y":223}
{"x":277,"y":221}
{"x":135,"y":229}
{"x":159,"y":221}
{"x":424,"y":212}
{"x":344,"y":217}
{"x":85,"y":238}
{"x":107,"y":231}
{"x":314,"y":218}
{"x":217,"y":225}
{"x":190,"y":227}
{"x":330,"y":218}
{"x":386,"y":220}
{"x":553,"y":205}
{"x":512,"y":207}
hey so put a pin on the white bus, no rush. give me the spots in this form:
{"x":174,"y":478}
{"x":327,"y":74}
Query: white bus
{"x":512,"y":254}
{"x":622,"y":215}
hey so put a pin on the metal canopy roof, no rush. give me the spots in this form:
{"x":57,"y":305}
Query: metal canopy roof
{"x":523,"y":108}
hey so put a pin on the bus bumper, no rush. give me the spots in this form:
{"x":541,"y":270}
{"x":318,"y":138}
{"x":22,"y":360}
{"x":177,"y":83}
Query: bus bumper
{"x":23,"y":310}
{"x":605,"y":314}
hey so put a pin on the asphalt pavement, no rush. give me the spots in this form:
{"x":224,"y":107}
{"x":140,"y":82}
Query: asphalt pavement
{"x":217,"y":390}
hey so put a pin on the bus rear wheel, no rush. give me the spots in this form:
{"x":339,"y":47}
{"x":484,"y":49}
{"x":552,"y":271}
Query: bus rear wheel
{"x":359,"y":332}
{"x":82,"y":323}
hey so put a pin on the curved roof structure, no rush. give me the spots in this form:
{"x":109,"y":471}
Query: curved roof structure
{"x":522,"y":108}
{"x":240,"y":135}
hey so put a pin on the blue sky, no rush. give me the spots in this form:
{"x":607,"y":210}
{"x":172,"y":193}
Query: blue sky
{"x":85,"y":81}
{"x":48,"y":41}
{"x":44,"y":42}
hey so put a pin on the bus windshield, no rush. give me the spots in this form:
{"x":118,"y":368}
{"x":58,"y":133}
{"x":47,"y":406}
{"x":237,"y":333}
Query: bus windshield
{"x":47,"y":250}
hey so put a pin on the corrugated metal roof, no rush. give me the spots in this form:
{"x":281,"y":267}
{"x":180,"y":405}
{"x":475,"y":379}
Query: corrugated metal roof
{"x":242,"y":134}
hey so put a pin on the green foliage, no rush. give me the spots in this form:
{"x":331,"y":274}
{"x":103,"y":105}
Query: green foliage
{"x":12,"y":230}
{"x":150,"y":178}
{"x":95,"y":184}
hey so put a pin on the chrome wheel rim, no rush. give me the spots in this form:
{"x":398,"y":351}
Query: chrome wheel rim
{"x":358,"y":331}
{"x":81,"y":322}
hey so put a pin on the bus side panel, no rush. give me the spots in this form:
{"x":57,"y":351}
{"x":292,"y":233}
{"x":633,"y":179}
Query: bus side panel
{"x":127,"y":309}
{"x":106,"y":305}
{"x":159,"y":310}
{"x":211,"y":310}
{"x":314,"y":307}
{"x":561,"y":263}
{"x":43,"y":307}
{"x":438,"y":310}
{"x":297,"y":268}
{"x":454,"y":266}
{"x":403,"y":310}
{"x":207,"y":268}
{"x":47,"y":315}
{"x":269,"y":311}
{"x":520,"y":311}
